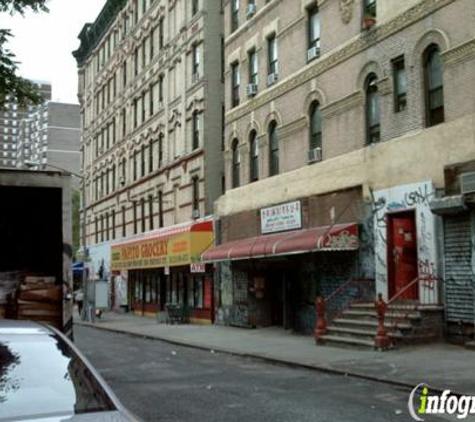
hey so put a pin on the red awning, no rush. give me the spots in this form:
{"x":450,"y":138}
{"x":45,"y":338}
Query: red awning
{"x":341,"y":237}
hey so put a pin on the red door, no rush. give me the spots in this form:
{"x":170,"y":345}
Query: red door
{"x":402,"y":255}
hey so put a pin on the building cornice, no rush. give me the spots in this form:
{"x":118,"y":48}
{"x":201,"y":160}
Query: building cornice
{"x":459,"y":54}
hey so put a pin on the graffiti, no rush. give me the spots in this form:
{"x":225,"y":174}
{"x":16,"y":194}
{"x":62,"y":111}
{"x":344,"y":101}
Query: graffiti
{"x":419,"y":196}
{"x":427,"y":274}
{"x":240,"y":315}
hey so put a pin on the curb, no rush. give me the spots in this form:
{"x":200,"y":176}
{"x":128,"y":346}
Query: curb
{"x":322,"y":369}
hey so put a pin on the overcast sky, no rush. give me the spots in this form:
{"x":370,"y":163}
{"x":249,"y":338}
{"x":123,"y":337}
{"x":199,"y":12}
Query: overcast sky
{"x":43,"y":43}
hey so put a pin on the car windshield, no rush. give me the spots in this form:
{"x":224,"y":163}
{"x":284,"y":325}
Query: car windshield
{"x":40,"y":375}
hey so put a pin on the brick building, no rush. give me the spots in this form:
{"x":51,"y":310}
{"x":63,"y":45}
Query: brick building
{"x":150,"y":91}
{"x":341,"y":117}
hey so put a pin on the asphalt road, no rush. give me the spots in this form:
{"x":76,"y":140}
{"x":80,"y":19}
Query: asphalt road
{"x":163,"y":382}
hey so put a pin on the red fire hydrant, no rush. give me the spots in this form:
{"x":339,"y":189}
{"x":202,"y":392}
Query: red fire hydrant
{"x":321,"y":326}
{"x":381,"y":342}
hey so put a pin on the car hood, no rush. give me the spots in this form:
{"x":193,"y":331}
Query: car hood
{"x":114,"y":416}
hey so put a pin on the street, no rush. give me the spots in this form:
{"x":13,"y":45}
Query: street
{"x":164,"y":382}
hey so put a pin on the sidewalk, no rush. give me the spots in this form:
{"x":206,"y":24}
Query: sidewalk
{"x":441,"y":366}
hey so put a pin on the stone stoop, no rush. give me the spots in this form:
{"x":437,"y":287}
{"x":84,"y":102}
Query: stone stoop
{"x":405,"y":323}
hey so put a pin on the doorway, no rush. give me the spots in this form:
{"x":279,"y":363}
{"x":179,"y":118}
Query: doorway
{"x":402,"y":255}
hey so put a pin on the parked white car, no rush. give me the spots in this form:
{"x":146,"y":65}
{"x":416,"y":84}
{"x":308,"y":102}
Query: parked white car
{"x":45,"y":378}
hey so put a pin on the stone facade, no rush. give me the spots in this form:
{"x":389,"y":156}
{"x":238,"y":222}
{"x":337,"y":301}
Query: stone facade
{"x":150,"y":94}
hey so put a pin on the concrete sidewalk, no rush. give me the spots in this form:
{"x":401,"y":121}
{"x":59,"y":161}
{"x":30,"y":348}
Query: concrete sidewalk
{"x":441,"y":366}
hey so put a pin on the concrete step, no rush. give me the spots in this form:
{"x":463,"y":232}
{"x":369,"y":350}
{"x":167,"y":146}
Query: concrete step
{"x":362,"y":314}
{"x":358,"y":323}
{"x":347,"y":341}
{"x":352,"y":332}
{"x":366,"y":306}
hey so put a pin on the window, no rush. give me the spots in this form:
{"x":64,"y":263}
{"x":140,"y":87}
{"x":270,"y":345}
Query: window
{"x":273,"y":150}
{"x":196,"y":195}
{"x":124,"y":122}
{"x":135,"y":156}
{"x":196,"y":64}
{"x":96,"y":227}
{"x":123,"y":175}
{"x":142,"y":161}
{"x":272,"y":55}
{"x":236,"y":80}
{"x":234,"y":15}
{"x":160,"y":91}
{"x":315,"y":127}
{"x":160,"y":208}
{"x":369,"y":9}
{"x":134,"y":206}
{"x":150,"y":212}
{"x":313,"y":29}
{"x":160,"y":150}
{"x":253,"y":68}
{"x":434,"y":86}
{"x":372,"y":110}
{"x":113,"y":223}
{"x":142,"y":206}
{"x":136,"y":61}
{"x":195,"y":4}
{"x":254,"y":157}
{"x":236,"y":164}
{"x":399,"y":79}
{"x":160,"y":34}
{"x":123,"y":222}
{"x":135,"y":112}
{"x":150,"y":156}
{"x":196,"y":130}
{"x":151,"y":104}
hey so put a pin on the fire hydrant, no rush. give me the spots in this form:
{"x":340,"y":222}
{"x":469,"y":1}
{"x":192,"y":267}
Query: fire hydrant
{"x":321,"y":326}
{"x":381,"y":342}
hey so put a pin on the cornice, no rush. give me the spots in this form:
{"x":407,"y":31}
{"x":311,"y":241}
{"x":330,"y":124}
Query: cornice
{"x":459,"y":54}
{"x":364,"y":41}
{"x":343,"y":105}
{"x":293,"y":127}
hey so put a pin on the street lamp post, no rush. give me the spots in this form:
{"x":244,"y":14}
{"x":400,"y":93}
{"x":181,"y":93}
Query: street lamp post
{"x":87,"y":311}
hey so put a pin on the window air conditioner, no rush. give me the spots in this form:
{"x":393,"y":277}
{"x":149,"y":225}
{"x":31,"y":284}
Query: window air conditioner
{"x":467,"y":183}
{"x":195,"y":214}
{"x":272,"y":79}
{"x":314,"y":155}
{"x":251,"y":10}
{"x":251,"y":90}
{"x":313,"y":53}
{"x":195,"y":78}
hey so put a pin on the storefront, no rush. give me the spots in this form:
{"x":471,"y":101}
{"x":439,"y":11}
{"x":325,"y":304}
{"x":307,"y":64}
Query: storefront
{"x":272,"y":279}
{"x":164,"y":267}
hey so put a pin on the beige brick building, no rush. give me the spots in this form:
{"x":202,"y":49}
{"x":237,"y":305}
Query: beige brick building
{"x":150,"y":91}
{"x":353,"y":109}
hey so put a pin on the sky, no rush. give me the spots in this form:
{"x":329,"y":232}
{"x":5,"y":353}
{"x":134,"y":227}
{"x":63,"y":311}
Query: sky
{"x":43,"y":43}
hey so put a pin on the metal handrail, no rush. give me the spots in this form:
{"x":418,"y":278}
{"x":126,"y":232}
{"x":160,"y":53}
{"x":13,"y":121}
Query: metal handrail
{"x":344,"y":286}
{"x":400,"y":292}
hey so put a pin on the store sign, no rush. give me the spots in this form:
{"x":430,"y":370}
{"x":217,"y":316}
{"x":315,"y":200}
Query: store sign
{"x":197,"y":268}
{"x":281,"y":217}
{"x":174,"y":250}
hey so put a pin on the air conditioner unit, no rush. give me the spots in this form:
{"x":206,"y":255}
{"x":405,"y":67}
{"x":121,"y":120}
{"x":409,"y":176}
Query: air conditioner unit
{"x":272,"y":79}
{"x":313,"y":53}
{"x":251,"y":90}
{"x":467,"y":183}
{"x":195,"y":214}
{"x":314,"y":155}
{"x":251,"y":10}
{"x":195,"y":77}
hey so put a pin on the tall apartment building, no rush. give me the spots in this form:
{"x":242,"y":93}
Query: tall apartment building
{"x":11,"y":117}
{"x":346,"y":124}
{"x":150,"y":92}
{"x":50,"y":135}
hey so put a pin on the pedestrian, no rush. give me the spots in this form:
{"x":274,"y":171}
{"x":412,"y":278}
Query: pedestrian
{"x":79,"y":300}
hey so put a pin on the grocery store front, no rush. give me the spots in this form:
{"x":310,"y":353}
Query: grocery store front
{"x":164,"y":270}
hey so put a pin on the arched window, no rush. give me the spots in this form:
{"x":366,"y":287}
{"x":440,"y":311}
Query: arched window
{"x":372,"y":110}
{"x":236,"y":164}
{"x":273,"y":150}
{"x":434,"y":86}
{"x":254,"y":157}
{"x":315,"y":153}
